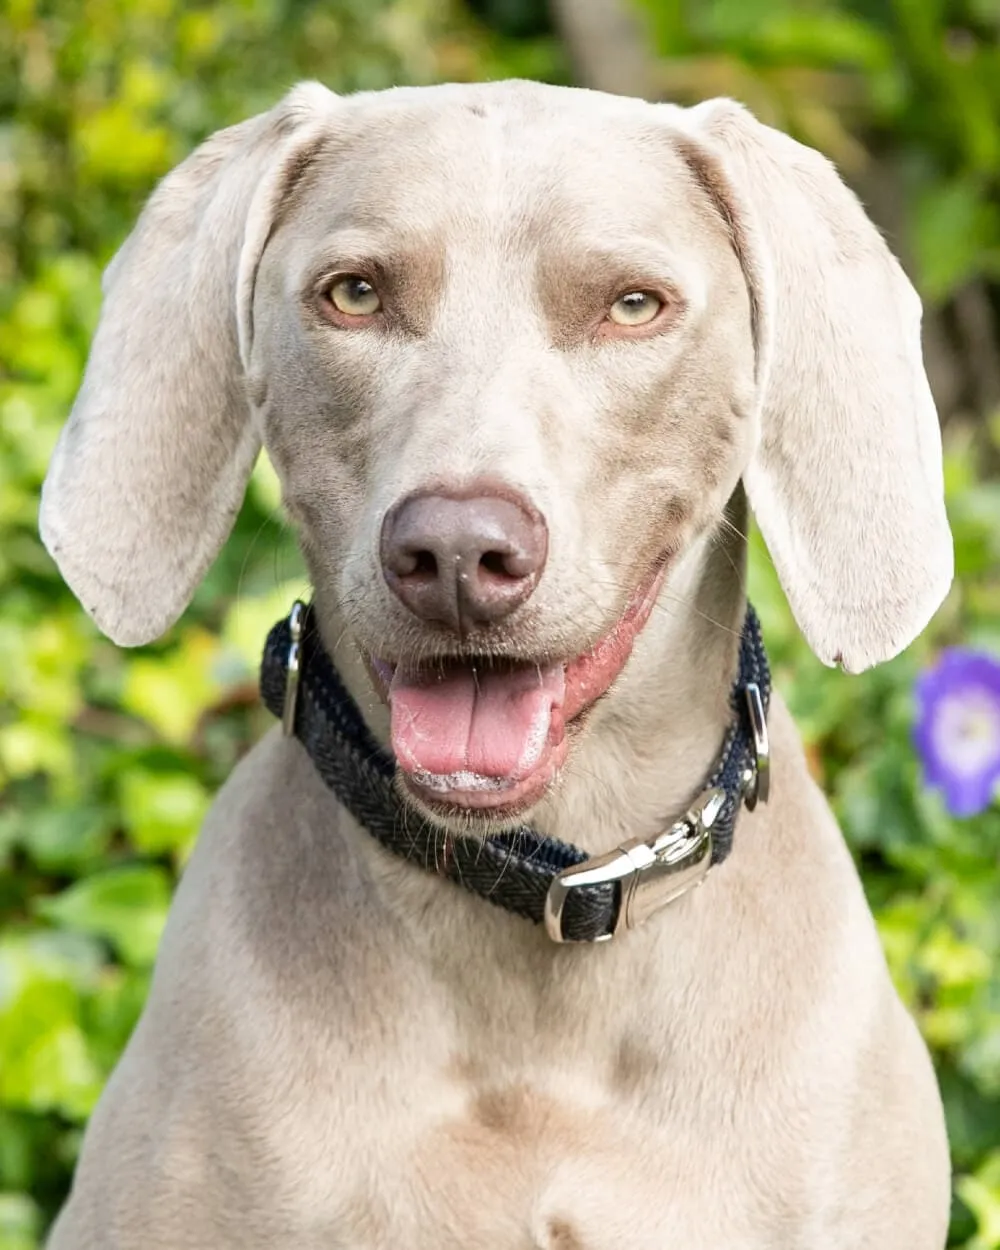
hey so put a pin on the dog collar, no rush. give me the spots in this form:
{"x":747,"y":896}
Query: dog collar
{"x":578,"y":897}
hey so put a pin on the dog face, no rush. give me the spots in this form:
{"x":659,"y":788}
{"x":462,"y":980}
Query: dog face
{"x":502,"y":394}
{"x":511,"y":349}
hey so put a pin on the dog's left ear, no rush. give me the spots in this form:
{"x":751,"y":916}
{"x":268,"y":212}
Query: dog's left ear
{"x":846,"y":482}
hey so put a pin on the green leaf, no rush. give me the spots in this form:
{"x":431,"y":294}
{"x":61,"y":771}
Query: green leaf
{"x":61,"y":839}
{"x":45,"y":1060}
{"x":953,"y":224}
{"x":173,"y":691}
{"x":161,"y":811}
{"x":127,"y":906}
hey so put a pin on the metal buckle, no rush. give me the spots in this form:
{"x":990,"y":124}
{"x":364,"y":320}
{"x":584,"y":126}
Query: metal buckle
{"x":757,"y":778}
{"x":292,"y":665}
{"x":652,"y":874}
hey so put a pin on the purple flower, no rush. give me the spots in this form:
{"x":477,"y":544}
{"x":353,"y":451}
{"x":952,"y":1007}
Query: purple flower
{"x":958,"y":728}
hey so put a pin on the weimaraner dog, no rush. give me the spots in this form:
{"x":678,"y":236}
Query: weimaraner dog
{"x":522,"y":356}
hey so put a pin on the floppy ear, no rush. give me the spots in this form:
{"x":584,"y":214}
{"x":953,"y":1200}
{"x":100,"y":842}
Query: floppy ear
{"x":846,"y":482}
{"x":150,"y":470}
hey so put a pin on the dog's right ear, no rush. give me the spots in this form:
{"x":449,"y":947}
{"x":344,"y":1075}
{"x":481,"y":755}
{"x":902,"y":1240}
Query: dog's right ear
{"x":150,"y":470}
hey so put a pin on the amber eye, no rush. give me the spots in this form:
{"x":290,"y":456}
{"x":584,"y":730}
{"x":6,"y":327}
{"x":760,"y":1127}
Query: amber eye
{"x":354,"y":296}
{"x":635,"y":308}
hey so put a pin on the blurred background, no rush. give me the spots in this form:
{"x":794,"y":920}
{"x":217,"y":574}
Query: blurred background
{"x":108,"y":759}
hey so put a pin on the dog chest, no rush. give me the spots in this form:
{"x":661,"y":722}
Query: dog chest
{"x":522,"y":1170}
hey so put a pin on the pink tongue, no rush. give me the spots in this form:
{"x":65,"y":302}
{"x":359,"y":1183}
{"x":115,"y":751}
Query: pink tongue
{"x":489,"y":724}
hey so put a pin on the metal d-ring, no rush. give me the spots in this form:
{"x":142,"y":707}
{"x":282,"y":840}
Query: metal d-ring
{"x":757,"y":778}
{"x":293,"y":664}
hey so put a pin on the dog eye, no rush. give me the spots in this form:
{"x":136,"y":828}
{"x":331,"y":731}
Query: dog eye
{"x":354,"y":296}
{"x":634,"y":308}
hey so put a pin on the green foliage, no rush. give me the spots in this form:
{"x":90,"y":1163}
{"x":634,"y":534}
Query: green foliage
{"x":108,"y":759}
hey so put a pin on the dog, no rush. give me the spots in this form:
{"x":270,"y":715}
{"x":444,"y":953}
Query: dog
{"x":523,"y":357}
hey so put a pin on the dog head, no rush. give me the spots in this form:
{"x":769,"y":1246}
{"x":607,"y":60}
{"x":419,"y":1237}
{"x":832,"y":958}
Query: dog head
{"x":511,"y":349}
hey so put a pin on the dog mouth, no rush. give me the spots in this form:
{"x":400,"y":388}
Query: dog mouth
{"x":485,"y":736}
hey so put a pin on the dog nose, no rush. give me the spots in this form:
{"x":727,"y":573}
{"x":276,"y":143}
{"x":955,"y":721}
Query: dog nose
{"x":463,"y":561}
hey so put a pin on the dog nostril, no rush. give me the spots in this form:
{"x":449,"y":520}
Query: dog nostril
{"x":498,"y":564}
{"x":424,"y":565}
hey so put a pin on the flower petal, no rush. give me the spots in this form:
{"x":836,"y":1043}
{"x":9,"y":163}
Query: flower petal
{"x":968,"y":796}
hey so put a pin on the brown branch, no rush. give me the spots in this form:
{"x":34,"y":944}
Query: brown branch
{"x":607,"y":46}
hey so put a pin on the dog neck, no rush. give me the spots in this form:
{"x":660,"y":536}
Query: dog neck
{"x":652,"y":740}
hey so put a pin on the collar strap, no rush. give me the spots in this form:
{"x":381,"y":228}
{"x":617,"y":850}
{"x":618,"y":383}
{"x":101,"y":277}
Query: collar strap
{"x":579,"y":898}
